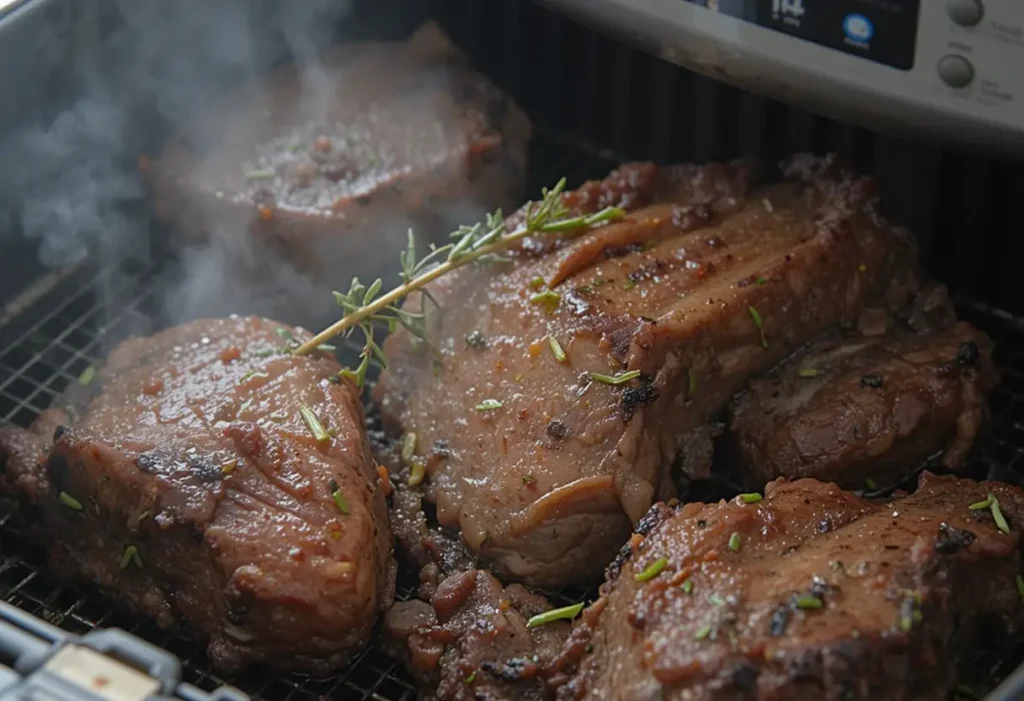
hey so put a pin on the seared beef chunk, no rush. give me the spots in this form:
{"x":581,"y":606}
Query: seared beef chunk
{"x":864,"y":411}
{"x":356,"y":147}
{"x":194,"y":489}
{"x":471,"y":641}
{"x":811,"y":593}
{"x":707,"y":281}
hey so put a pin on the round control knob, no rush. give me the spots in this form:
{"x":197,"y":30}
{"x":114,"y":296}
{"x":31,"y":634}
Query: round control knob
{"x":966,"y":13}
{"x":956,"y":71}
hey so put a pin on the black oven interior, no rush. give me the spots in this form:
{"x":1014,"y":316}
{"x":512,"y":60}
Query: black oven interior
{"x":108,"y":82}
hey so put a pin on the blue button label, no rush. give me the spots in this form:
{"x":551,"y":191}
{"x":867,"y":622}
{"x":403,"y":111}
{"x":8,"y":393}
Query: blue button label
{"x":858,"y":28}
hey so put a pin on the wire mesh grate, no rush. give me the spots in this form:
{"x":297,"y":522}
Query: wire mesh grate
{"x":69,"y":328}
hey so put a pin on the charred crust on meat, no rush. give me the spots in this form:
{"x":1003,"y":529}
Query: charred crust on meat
{"x":59,"y":432}
{"x":871,"y":380}
{"x":150,"y":462}
{"x":512,"y":670}
{"x":744,"y":676}
{"x":59,"y":473}
{"x":824,"y":525}
{"x":203,"y":467}
{"x":633,"y":397}
{"x":441,"y":449}
{"x":779,"y":621}
{"x":951,"y":539}
{"x":476,"y":340}
{"x":557,"y":429}
{"x":967,"y":355}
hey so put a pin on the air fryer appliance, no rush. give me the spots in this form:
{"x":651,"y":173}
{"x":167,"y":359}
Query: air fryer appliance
{"x":926,"y":96}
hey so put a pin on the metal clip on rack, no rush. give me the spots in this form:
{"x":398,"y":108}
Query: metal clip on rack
{"x":39,"y":661}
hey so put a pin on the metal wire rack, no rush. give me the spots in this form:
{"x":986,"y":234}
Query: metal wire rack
{"x":66,"y":323}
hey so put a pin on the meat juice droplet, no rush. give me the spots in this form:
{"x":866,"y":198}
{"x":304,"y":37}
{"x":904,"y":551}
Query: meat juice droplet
{"x":153,"y":386}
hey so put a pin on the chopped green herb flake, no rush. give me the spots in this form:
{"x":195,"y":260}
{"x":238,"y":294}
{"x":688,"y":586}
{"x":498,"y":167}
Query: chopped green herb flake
{"x":260,"y":174}
{"x":564,"y":613}
{"x":762,"y":281}
{"x":253,"y":373}
{"x":537,"y":283}
{"x":979,"y":505}
{"x":997,"y":516}
{"x":735,"y":542}
{"x":750,"y":498}
{"x":652,"y":570}
{"x":87,"y":376}
{"x":807,"y":601}
{"x":70,"y":502}
{"x":906,"y":623}
{"x":416,"y":474}
{"x":548,"y":300}
{"x":617,"y":379}
{"x":702,"y":633}
{"x":327,"y":347}
{"x":529,"y":479}
{"x":313,"y":424}
{"x":809,"y":372}
{"x":488,"y":405}
{"x":131,"y":554}
{"x":716,"y":600}
{"x":408,"y":446}
{"x":556,"y":348}
{"x":870,"y":483}
{"x":338,"y":497}
{"x":688,"y":587}
{"x":756,"y":316}
{"x":471,"y":678}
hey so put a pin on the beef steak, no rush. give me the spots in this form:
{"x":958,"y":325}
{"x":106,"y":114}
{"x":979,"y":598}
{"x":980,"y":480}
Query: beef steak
{"x":811,"y":593}
{"x":367,"y":141}
{"x":707,"y":281}
{"x":864,"y":410}
{"x":193,"y":488}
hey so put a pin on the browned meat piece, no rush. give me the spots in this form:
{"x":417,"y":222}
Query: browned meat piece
{"x":471,"y":641}
{"x":368,"y":141}
{"x":864,"y":410}
{"x":706,"y":282}
{"x":193,"y":489}
{"x":811,"y":593}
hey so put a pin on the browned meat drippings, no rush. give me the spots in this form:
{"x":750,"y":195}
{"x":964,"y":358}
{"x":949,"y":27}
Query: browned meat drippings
{"x":208,"y":501}
{"x":811,"y":593}
{"x":699,"y":288}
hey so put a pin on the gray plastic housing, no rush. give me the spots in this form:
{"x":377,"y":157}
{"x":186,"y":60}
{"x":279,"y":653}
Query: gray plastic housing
{"x":988,"y":111}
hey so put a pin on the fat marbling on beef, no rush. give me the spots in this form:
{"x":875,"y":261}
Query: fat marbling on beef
{"x":537,"y":460}
{"x":366,"y":141}
{"x":865,"y":408}
{"x":811,"y":593}
{"x":193,"y":488}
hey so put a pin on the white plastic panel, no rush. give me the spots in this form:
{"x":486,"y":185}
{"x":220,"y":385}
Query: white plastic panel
{"x":988,"y":111}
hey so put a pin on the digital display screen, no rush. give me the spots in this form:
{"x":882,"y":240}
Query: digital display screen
{"x":884,"y":31}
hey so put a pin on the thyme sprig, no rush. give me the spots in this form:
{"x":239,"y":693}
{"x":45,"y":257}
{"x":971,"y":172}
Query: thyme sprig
{"x":364,"y":307}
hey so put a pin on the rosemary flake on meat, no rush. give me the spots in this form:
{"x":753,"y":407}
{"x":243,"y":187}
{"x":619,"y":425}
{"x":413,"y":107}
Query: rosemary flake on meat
{"x":983,"y":504}
{"x":338,"y":497}
{"x":313,"y":424}
{"x":808,"y":601}
{"x":556,"y":348}
{"x":997,"y":516}
{"x":87,"y":376}
{"x":547,"y":300}
{"x":488,"y":405}
{"x":559,"y":614}
{"x":408,"y":446}
{"x":702,"y":633}
{"x":536,"y":283}
{"x":756,"y":316}
{"x":616,"y":379}
{"x":131,"y":554}
{"x":750,"y":498}
{"x":417,"y":471}
{"x":652,"y":570}
{"x":69,"y":501}
{"x":735,"y":542}
{"x":687,"y":586}
{"x":809,"y":372}
{"x":364,"y":307}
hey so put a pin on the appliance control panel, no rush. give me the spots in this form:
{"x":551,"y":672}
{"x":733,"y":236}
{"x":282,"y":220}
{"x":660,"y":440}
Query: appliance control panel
{"x":947,"y":68}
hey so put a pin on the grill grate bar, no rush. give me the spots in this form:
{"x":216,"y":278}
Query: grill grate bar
{"x":70,"y":327}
